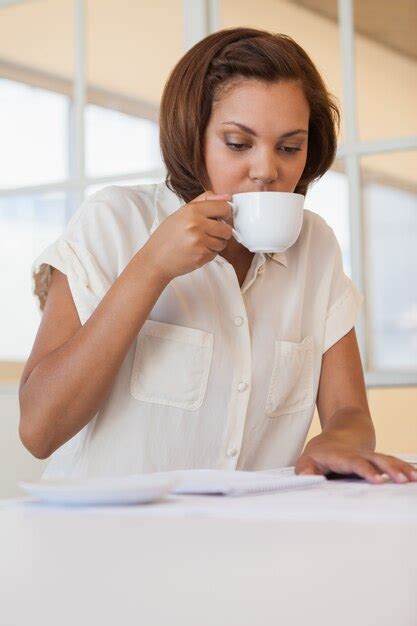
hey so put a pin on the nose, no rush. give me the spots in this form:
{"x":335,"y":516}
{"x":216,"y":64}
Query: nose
{"x":263,"y":180}
{"x":264,"y":170}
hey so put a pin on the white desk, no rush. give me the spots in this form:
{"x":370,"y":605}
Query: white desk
{"x":138,"y":565}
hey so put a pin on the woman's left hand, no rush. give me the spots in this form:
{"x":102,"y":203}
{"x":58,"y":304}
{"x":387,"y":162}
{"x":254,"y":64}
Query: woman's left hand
{"x":325,"y":453}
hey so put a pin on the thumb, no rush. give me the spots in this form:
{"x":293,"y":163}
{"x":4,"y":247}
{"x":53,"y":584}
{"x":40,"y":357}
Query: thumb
{"x":306,"y":465}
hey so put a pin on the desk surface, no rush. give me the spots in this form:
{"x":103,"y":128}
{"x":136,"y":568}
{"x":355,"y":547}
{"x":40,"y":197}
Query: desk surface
{"x":135,"y":565}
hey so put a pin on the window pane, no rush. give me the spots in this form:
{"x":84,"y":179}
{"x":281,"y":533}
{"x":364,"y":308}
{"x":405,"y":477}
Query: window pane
{"x":33,"y":131}
{"x":27,"y":225}
{"x":36,"y":70}
{"x":117,"y":143}
{"x":329,"y":198}
{"x":386,"y":71}
{"x":391,"y":226}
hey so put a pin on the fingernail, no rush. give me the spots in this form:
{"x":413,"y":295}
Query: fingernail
{"x":382,"y":477}
{"x":402,"y":478}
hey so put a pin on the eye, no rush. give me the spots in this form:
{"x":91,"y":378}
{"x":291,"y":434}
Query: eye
{"x":235,"y":146}
{"x":238,"y":147}
{"x":289,"y":150}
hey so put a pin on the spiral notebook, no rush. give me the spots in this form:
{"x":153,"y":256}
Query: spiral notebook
{"x":235,"y":483}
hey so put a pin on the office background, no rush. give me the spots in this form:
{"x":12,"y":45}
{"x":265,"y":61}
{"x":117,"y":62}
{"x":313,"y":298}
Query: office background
{"x":80,"y":84}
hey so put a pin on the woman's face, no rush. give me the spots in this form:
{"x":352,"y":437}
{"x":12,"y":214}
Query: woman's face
{"x":258,"y":158}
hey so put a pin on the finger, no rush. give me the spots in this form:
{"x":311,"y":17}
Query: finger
{"x":214,"y":228}
{"x":215,"y":243}
{"x":367,"y":470}
{"x":401,"y":466}
{"x":215,"y":208}
{"x":398,"y":470}
{"x":306,"y":465}
{"x":210,"y":195}
{"x":216,"y":202}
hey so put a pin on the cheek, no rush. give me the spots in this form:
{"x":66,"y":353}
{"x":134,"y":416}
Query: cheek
{"x":216,"y":161}
{"x":210,"y":155}
{"x":219,"y":162}
{"x":297,"y":167}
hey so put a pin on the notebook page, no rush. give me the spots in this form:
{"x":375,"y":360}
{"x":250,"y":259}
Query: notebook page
{"x":226,"y":482}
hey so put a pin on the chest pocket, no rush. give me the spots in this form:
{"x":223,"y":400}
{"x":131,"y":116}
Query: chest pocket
{"x":171,"y":365}
{"x":291,"y":386}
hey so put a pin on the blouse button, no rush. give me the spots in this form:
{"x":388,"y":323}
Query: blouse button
{"x":231,"y":452}
{"x":242,"y":387}
{"x":238,"y":321}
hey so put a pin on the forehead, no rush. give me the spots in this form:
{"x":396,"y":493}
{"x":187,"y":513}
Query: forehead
{"x":251,"y":98}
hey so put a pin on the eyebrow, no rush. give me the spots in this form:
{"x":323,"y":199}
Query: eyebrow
{"x":290,"y":133}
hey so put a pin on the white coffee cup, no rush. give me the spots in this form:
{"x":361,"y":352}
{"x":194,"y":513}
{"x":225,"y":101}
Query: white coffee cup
{"x":267,"y":221}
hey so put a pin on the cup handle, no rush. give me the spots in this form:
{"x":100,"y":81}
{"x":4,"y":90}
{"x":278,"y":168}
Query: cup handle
{"x":235,"y":233}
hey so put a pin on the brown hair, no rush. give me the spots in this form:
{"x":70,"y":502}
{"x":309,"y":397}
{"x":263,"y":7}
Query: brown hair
{"x":213,"y":63}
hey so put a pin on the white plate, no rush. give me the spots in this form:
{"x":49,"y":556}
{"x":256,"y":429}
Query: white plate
{"x":132,"y":489}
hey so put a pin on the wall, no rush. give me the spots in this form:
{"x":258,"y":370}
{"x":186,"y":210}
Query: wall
{"x":16,"y":463}
{"x":394,"y":413}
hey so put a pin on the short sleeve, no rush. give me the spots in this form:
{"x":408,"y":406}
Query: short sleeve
{"x":86,"y":281}
{"x":85,"y":254}
{"x":345,"y":299}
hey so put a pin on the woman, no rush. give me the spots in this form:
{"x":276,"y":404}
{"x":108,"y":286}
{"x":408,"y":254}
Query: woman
{"x":166,"y":344}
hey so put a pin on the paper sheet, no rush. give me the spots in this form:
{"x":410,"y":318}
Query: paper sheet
{"x":339,"y":500}
{"x":236,"y":483}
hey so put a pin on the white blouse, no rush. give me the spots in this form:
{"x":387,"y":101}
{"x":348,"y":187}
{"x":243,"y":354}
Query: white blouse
{"x":220,"y":376}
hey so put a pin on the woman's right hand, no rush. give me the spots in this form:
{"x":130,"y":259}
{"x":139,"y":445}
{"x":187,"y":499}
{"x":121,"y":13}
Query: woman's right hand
{"x":191,"y":236}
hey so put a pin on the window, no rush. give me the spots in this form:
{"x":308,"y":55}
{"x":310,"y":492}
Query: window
{"x":368,"y":197}
{"x":35,"y":150}
{"x":28,"y":223}
{"x":50,"y":116}
{"x":390,"y":210}
{"x":329,"y":198}
{"x":34,"y":135}
{"x":117,"y":143}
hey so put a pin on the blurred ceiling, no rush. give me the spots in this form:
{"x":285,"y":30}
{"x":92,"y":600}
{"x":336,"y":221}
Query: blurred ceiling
{"x":388,"y":22}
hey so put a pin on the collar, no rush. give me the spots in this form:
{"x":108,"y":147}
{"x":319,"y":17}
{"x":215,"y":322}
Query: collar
{"x":279,"y":257}
{"x":167,"y":202}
